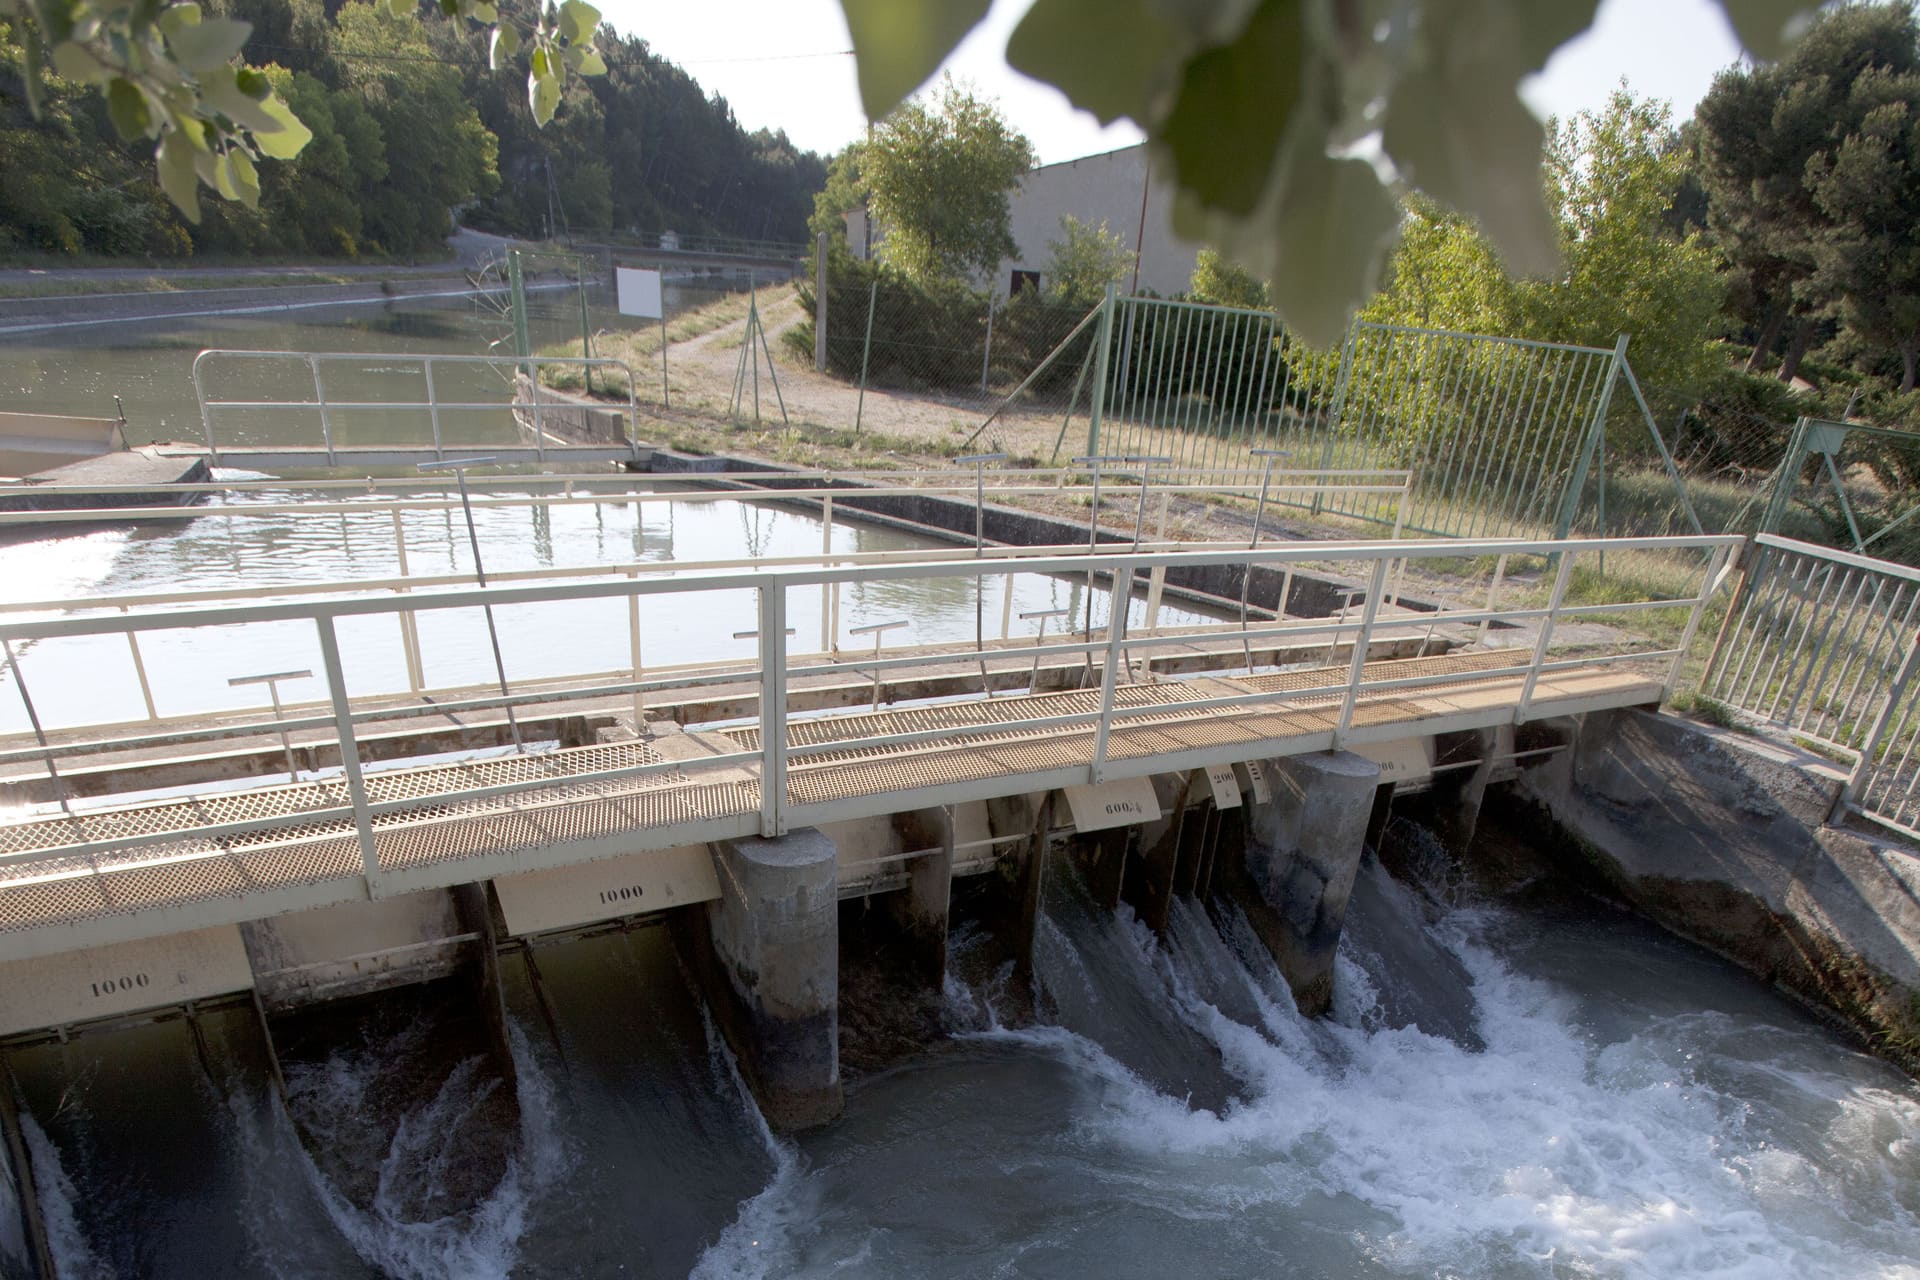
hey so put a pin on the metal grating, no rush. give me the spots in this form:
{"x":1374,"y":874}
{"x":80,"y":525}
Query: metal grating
{"x":982,"y":743}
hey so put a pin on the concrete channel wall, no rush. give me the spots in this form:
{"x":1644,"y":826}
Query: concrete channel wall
{"x":1724,"y":839}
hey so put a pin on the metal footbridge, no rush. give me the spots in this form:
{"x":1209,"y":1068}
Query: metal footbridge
{"x":89,"y":873}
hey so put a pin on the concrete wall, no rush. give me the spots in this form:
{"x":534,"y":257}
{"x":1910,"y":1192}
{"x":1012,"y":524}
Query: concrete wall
{"x":356,"y":947}
{"x":1722,"y":838}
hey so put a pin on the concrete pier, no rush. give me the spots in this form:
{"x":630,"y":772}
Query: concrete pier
{"x":1303,"y":848}
{"x":774,"y":980}
{"x":921,"y":911}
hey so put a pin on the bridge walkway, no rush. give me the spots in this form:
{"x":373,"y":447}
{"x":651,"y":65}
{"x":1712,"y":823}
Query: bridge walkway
{"x":125,"y":870}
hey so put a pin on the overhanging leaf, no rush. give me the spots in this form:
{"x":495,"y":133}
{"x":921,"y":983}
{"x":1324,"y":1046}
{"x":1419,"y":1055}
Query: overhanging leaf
{"x":207,"y":44}
{"x":578,"y":20}
{"x":174,"y":159}
{"x":543,"y":96}
{"x":75,"y":63}
{"x":285,"y":142}
{"x":1767,"y":27}
{"x":1489,"y":168}
{"x":1232,"y":109}
{"x":501,"y":46}
{"x":899,"y":43}
{"x":245,"y":177}
{"x":223,"y":93}
{"x":128,"y":109}
{"x":1112,"y":57}
{"x":591,"y":63}
{"x":1335,"y":226}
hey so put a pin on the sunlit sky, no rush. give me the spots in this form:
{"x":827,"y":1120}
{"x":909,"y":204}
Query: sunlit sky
{"x":785,"y":64}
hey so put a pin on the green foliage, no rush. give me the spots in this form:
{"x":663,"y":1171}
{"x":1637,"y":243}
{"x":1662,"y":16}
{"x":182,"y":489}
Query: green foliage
{"x":939,"y":173}
{"x":1611,"y":179}
{"x":844,"y":192}
{"x":407,"y":123}
{"x":1223,"y":284}
{"x":169,"y":74}
{"x":1084,"y":261}
{"x":1253,"y":109}
{"x":928,"y":335}
{"x":1771,"y":137}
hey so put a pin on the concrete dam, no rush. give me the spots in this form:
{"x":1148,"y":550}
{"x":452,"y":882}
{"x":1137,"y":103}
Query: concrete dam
{"x":1048,"y":946}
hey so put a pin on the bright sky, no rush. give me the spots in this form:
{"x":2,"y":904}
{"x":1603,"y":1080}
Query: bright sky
{"x":783,"y":64}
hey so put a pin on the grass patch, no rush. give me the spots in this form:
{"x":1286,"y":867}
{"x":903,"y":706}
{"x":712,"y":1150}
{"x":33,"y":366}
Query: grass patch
{"x":640,"y":347}
{"x":61,"y":285}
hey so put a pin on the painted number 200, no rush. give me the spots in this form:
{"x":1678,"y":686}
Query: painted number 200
{"x":114,"y":986}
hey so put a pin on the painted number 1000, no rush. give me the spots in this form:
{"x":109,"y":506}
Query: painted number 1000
{"x":115,"y":986}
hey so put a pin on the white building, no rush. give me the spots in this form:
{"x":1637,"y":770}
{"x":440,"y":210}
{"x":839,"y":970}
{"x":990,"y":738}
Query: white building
{"x":1116,"y":187}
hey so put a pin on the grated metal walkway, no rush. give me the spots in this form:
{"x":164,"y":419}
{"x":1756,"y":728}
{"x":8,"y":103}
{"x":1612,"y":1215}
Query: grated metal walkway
{"x":123,"y":861}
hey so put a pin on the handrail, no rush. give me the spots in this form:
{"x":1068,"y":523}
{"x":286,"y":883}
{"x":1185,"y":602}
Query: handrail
{"x":773,"y":663}
{"x":433,"y":405}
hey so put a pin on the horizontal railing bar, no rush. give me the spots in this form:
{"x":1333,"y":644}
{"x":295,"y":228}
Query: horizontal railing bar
{"x":210,"y":832}
{"x":428,"y":601}
{"x":1814,"y":551}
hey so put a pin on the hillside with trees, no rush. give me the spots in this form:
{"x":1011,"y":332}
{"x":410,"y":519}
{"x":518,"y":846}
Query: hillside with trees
{"x":409,"y":121}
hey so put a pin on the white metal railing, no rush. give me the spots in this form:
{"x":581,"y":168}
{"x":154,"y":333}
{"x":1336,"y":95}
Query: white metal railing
{"x":777,"y":658}
{"x":361,"y":498}
{"x":316,"y":363}
{"x":1824,"y":645}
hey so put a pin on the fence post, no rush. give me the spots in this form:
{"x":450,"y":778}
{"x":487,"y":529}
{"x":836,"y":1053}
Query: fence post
{"x":1747,"y":556}
{"x":320,"y":398}
{"x":866,"y":349}
{"x":1102,"y":341}
{"x":1570,"y":505}
{"x":1337,"y":413}
{"x":1545,"y":639}
{"x":1357,"y":668}
{"x":1863,"y":767}
{"x":819,"y":303}
{"x":1787,"y":478}
{"x":986,"y":348}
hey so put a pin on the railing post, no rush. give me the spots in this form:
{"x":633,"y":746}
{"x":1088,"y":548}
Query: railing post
{"x":826,"y":588}
{"x":1103,"y":340}
{"x":206,"y":414}
{"x":1863,"y":768}
{"x":1786,"y":478}
{"x":349,"y":752}
{"x":1546,"y":633}
{"x":433,"y":405}
{"x":633,"y":635}
{"x":1357,"y":668}
{"x":1109,"y":677}
{"x":773,"y":709}
{"x":539,"y":426}
{"x":320,"y":398}
{"x":1749,"y":556}
{"x":409,"y":624}
{"x":1707,"y":584}
{"x":140,"y":670}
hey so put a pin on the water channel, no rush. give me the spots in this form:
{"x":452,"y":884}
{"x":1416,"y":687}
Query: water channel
{"x":1534,"y":1089}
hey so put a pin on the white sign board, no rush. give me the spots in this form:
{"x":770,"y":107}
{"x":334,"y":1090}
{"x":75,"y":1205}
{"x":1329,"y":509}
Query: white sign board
{"x":1125,"y":803}
{"x":1225,"y":784}
{"x":565,"y":897}
{"x":638,"y":292}
{"x":1409,"y":760}
{"x":1257,"y":776}
{"x":122,"y":977}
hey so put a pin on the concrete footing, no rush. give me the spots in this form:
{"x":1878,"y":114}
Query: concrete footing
{"x":1303,"y":849}
{"x":774,"y":976}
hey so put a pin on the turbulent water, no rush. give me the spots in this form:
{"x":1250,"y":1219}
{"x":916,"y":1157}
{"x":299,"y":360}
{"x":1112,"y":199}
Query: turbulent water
{"x":1502,"y":1091}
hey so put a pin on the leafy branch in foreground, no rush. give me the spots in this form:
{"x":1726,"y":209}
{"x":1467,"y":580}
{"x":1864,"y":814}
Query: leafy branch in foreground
{"x":1287,"y":125}
{"x":171,"y":74}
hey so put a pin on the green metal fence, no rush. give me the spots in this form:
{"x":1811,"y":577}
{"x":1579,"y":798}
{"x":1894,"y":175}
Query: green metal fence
{"x":1851,"y":486}
{"x":1502,"y":434}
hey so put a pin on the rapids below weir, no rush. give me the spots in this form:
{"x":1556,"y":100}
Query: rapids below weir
{"x":1535,"y":1088}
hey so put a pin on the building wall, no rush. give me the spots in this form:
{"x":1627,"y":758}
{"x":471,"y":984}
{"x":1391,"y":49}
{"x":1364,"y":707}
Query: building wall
{"x":1109,"y":186}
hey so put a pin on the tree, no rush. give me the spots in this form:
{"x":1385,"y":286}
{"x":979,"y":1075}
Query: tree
{"x":171,"y":75}
{"x":1221,"y":283}
{"x":1085,"y":260}
{"x":1611,"y":179}
{"x":1866,"y":257}
{"x":1760,"y":128}
{"x":1253,"y":111}
{"x":845,"y":191}
{"x":939,"y":174}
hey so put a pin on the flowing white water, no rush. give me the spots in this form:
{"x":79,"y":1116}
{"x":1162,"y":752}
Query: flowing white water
{"x":1637,"y":1111}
